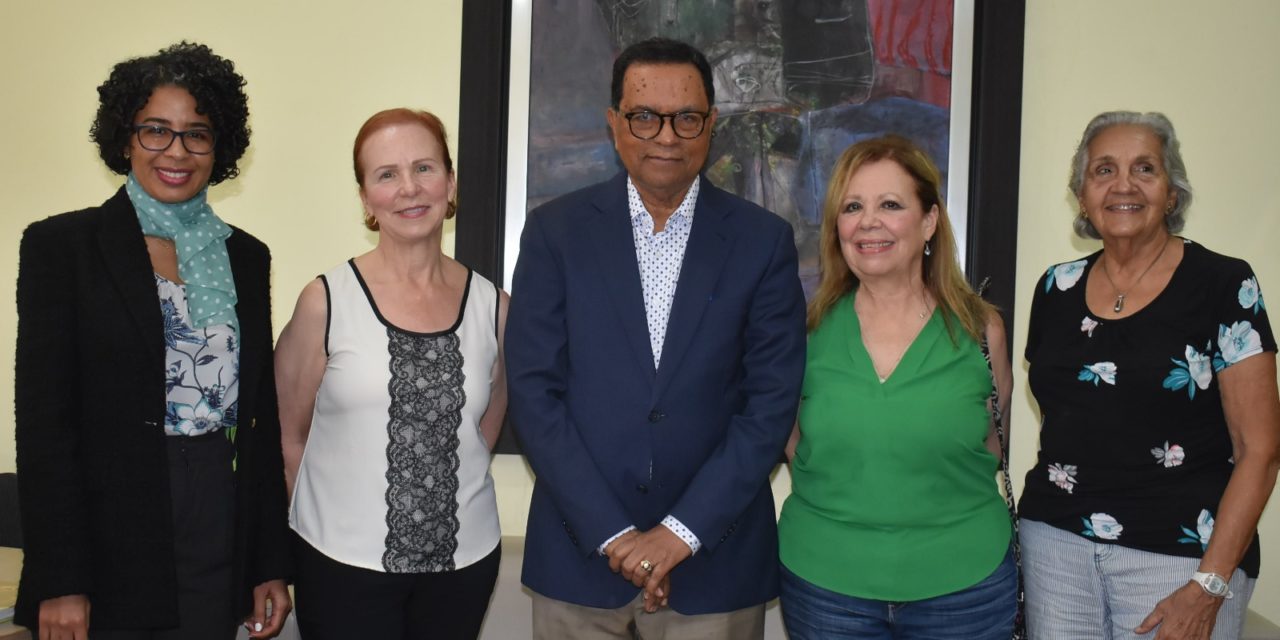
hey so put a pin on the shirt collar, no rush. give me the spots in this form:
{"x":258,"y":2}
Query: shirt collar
{"x":685,"y":210}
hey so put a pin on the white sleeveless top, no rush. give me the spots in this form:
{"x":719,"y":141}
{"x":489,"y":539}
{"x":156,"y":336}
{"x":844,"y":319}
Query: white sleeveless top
{"x":395,"y":474}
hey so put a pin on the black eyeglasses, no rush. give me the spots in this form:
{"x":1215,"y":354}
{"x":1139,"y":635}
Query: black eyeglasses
{"x":646,"y":125}
{"x":154,"y":137}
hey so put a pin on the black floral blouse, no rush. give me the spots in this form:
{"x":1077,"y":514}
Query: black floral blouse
{"x":1134,"y":448}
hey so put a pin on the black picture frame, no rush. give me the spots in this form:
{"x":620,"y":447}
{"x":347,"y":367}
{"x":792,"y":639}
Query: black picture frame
{"x":995,"y":137}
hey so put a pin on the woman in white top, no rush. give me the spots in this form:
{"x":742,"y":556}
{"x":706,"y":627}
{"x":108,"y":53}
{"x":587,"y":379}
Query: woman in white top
{"x":392,"y":394}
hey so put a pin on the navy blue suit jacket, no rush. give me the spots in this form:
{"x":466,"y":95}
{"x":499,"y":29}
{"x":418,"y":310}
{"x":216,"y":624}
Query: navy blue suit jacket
{"x":613,"y":441}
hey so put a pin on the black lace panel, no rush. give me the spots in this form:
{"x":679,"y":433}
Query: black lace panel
{"x":422,"y":452}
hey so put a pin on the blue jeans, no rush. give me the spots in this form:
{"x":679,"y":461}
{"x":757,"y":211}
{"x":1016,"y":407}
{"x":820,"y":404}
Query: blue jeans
{"x":981,"y":612}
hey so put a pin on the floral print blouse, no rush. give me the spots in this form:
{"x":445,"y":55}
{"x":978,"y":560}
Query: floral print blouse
{"x":1134,"y":448}
{"x":202,"y":369}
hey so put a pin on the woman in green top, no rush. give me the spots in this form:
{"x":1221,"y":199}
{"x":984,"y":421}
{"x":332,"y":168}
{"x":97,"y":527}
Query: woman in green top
{"x":895,"y":527}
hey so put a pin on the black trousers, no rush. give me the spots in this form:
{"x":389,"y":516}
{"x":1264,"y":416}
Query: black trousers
{"x":339,"y":601}
{"x":202,"y":488}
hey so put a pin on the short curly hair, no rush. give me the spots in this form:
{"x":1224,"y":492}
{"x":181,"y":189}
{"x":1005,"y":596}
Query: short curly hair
{"x":209,"y":78}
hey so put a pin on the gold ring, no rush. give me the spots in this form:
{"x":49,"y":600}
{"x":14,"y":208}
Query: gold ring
{"x":647,"y":566}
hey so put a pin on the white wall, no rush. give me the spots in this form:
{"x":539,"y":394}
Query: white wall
{"x":1212,"y":68}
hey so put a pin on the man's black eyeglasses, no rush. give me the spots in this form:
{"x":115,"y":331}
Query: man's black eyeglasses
{"x":646,"y":125}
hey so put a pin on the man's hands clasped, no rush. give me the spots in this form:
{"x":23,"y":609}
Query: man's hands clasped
{"x":646,"y":560}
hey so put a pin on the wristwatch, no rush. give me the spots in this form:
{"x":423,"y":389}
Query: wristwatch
{"x":1212,"y":583}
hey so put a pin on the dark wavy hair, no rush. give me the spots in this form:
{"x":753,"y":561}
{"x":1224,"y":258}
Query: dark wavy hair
{"x":209,"y":78}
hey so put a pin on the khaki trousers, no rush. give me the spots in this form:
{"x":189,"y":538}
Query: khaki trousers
{"x":557,"y":620}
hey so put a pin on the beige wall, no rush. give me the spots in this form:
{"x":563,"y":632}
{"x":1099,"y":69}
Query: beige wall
{"x":1210,"y":67}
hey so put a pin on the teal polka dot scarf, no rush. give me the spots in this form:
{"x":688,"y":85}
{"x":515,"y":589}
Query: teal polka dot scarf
{"x":200,"y":237}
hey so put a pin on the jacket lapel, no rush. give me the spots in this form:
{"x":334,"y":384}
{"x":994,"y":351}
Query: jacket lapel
{"x":615,"y":250}
{"x":128,"y":267}
{"x":248,"y":283}
{"x":704,"y":259}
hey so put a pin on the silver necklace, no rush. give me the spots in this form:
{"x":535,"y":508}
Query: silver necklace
{"x":1120,"y":295}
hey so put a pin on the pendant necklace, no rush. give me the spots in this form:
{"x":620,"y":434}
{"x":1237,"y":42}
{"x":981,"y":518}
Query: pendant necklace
{"x":1120,"y":295}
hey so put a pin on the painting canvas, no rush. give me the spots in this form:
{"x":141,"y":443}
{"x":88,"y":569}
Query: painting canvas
{"x":797,"y":81}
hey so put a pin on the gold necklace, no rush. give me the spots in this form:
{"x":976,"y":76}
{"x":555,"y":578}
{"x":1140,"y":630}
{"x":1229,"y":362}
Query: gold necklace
{"x":923,"y":315}
{"x":1120,"y":295}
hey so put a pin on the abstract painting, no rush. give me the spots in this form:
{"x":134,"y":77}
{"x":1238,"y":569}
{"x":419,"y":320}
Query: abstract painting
{"x":797,"y":81}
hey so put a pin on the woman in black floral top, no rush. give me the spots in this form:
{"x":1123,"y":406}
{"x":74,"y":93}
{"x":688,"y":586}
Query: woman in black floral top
{"x":1153,"y":363}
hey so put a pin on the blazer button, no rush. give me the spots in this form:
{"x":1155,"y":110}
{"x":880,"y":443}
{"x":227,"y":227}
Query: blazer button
{"x":656,"y":416}
{"x":642,"y":488}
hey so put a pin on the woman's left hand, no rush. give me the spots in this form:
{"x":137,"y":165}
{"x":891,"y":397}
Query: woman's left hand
{"x":1188,"y":612}
{"x":260,"y":625}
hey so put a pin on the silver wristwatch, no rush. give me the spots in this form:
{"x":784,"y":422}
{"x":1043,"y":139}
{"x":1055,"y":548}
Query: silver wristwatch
{"x":1212,"y":583}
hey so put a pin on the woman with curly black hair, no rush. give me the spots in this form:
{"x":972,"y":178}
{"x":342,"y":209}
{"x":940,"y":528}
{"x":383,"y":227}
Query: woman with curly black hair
{"x":152,"y":488}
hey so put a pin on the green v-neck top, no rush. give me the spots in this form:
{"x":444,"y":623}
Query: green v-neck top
{"x":893,"y":490}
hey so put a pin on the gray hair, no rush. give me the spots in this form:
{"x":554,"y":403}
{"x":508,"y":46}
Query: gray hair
{"x":1174,"y":167}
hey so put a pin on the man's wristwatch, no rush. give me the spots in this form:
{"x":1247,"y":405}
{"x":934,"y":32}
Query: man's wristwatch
{"x":1212,"y":583}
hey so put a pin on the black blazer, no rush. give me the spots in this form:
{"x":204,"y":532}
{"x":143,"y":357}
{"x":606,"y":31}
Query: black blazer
{"x":90,"y":402}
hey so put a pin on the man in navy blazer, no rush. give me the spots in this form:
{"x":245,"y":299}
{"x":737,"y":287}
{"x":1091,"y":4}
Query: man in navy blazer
{"x":655,"y":349}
